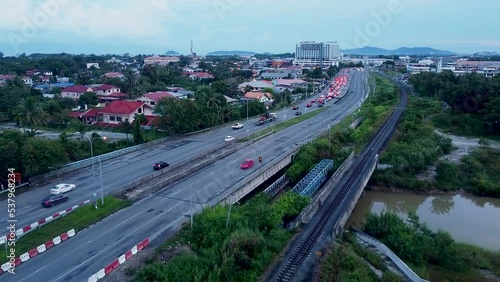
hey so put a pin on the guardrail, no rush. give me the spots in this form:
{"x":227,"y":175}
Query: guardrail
{"x":40,"y":179}
{"x":389,"y":253}
{"x":224,"y":194}
{"x":6,"y":190}
{"x":131,"y":185}
{"x":134,"y":195}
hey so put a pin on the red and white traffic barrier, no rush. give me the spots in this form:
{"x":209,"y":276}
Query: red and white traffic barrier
{"x":120,"y":260}
{"x":36,"y":251}
{"x":25,"y":230}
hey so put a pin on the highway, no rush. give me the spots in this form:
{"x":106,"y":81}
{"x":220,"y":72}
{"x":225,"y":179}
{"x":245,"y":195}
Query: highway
{"x":124,"y":169}
{"x":160,"y":215}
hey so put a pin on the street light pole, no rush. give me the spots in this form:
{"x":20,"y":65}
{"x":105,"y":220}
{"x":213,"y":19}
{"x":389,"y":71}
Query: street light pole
{"x":247,"y":110}
{"x":91,"y":141}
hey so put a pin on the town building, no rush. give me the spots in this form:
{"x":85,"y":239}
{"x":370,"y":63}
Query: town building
{"x":321,"y":54}
{"x":160,"y":60}
{"x":152,"y":98}
{"x":74,"y":92}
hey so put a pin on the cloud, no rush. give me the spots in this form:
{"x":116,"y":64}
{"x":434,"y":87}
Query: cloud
{"x":95,"y":20}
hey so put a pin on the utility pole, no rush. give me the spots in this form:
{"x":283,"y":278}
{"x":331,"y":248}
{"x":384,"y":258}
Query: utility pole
{"x":102,"y":189}
{"x":247,"y":111}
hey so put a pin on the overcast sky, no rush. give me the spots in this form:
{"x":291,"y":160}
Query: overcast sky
{"x":156,"y":26}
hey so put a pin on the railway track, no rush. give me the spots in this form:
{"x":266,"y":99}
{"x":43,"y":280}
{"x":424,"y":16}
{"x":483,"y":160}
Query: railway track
{"x":365,"y":159}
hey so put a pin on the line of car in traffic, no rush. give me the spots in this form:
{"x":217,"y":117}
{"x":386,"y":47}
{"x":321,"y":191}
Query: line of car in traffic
{"x":56,"y":195}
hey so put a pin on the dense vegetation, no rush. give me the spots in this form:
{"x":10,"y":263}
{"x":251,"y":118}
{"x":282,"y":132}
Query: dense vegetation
{"x":343,"y":139}
{"x":476,"y":172}
{"x":414,"y":147}
{"x":239,"y":251}
{"x":474,"y":99}
{"x":348,"y":261}
{"x":429,"y":252}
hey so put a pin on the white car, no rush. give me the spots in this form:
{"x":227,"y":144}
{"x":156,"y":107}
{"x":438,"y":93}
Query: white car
{"x":228,"y":138}
{"x":62,"y":188}
{"x":237,"y":125}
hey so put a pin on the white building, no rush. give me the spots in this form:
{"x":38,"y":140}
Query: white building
{"x":322,"y":54}
{"x":160,"y":60}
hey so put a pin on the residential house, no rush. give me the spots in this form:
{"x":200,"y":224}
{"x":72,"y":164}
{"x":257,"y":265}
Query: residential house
{"x":201,"y":76}
{"x":255,"y":85}
{"x":231,"y":101}
{"x":112,"y":97}
{"x":74,"y":92}
{"x":44,"y":79}
{"x":160,"y":60}
{"x":187,"y":70}
{"x":27,"y":80}
{"x":114,"y":75}
{"x":152,"y":98}
{"x":104,"y":89}
{"x":262,"y":97}
{"x":289,"y":84}
{"x":122,"y":111}
{"x":281,"y":74}
{"x":180,"y":92}
{"x":4,"y":78}
{"x":90,"y":65}
{"x":63,"y":79}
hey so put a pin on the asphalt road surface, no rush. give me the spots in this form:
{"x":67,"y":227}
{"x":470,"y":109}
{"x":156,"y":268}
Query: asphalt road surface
{"x":161,"y":214}
{"x":124,"y":169}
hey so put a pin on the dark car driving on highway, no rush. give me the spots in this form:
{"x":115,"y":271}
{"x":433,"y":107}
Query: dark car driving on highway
{"x":53,"y":200}
{"x":160,"y":165}
{"x":298,"y":113}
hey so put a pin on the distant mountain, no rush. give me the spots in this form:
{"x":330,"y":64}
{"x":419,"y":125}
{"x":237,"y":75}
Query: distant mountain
{"x":403,"y":51}
{"x":172,"y":53}
{"x":231,"y":53}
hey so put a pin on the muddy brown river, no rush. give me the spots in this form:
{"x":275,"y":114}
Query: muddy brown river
{"x":469,"y":219}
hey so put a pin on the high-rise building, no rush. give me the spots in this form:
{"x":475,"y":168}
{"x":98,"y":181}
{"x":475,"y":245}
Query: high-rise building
{"x":322,"y":54}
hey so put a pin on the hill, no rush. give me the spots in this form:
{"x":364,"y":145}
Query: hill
{"x":403,"y":51}
{"x":172,"y":53}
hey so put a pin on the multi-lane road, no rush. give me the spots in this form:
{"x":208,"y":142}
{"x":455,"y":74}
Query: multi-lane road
{"x":125,"y":169}
{"x":159,"y":215}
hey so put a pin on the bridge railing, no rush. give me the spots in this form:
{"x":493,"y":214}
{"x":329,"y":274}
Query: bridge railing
{"x":389,"y":253}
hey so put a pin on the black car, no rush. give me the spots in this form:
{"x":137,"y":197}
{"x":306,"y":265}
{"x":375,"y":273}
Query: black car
{"x":160,"y":165}
{"x":53,"y":200}
{"x":298,"y":113}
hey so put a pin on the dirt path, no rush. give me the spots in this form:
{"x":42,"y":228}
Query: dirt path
{"x":464,"y":145}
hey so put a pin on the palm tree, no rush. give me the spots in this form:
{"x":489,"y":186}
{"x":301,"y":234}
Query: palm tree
{"x":29,"y":114}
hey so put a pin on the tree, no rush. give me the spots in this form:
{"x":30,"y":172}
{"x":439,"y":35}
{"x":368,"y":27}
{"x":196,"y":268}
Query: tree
{"x":138,"y":137}
{"x":41,"y":155}
{"x":80,"y":127}
{"x":89,"y":98}
{"x":126,"y":127}
{"x":29,"y":114}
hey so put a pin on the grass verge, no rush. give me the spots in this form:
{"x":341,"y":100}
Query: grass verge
{"x":80,"y":219}
{"x":283,"y":125}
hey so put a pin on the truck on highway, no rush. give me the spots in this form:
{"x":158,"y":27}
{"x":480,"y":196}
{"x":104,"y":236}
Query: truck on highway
{"x":266,"y":118}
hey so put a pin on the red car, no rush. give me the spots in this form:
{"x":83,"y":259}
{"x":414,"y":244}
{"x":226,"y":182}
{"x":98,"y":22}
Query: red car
{"x":248,"y":163}
{"x":295,"y":107}
{"x":308,"y":105}
{"x":312,"y":101}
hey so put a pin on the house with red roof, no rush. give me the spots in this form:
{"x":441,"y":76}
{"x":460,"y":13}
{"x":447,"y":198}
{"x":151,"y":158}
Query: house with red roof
{"x":200,"y":75}
{"x":120,"y":111}
{"x":74,"y":92}
{"x":152,"y":98}
{"x":105,"y":89}
{"x":262,"y":97}
{"x":4,"y":78}
{"x":114,"y":75}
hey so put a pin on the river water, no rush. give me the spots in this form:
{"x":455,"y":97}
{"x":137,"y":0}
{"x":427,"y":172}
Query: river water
{"x":469,"y":219}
